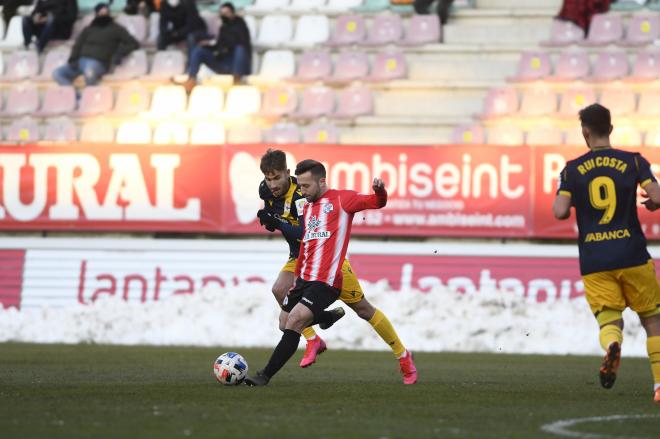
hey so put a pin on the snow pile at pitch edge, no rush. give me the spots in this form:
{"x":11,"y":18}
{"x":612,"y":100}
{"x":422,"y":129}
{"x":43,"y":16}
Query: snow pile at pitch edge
{"x":441,"y":320}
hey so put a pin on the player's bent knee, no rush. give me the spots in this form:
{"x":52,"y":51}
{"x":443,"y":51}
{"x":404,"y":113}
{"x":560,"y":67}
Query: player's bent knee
{"x":299,"y":318}
{"x":609,"y":317}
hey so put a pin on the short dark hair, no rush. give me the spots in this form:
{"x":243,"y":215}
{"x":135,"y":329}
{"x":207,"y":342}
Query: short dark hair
{"x":597,"y":119}
{"x":230,"y":6}
{"x":316,"y":168}
{"x":273,"y":160}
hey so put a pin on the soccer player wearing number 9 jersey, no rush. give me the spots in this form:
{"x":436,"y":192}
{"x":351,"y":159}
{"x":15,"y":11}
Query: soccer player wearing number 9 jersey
{"x":616,"y":267}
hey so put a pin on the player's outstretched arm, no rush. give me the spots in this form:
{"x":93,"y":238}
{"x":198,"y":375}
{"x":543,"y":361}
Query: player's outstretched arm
{"x":653,"y":196}
{"x":353,"y":202}
{"x":561,"y":208}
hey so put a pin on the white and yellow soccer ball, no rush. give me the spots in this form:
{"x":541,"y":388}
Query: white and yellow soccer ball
{"x":230,"y":369}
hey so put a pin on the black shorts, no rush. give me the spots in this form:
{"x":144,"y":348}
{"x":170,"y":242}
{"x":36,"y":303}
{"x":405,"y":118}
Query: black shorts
{"x":315,"y":295}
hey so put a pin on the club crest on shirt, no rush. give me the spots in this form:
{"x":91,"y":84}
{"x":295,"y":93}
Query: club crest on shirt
{"x":310,"y":231}
{"x":327,"y":208}
{"x":313,"y":223}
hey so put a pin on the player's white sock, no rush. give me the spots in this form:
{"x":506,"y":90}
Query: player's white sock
{"x":404,"y":355}
{"x":656,"y":386}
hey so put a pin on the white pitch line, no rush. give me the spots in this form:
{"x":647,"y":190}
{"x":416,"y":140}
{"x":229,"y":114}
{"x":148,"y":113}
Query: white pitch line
{"x":562,"y":427}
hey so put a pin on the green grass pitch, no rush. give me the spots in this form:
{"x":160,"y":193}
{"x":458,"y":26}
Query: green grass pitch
{"x":62,"y":391}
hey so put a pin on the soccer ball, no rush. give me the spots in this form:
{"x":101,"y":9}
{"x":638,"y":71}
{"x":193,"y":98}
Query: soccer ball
{"x":230,"y":369}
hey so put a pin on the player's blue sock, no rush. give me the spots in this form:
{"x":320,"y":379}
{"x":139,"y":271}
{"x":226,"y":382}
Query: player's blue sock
{"x":282,"y":353}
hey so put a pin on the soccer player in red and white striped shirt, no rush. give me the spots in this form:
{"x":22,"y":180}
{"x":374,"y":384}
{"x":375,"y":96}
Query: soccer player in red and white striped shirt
{"x":328,"y":216}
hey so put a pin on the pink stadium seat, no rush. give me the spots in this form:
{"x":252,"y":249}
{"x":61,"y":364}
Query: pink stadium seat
{"x":22,"y":99}
{"x":22,"y":64}
{"x":604,"y":29}
{"x":314,"y":65}
{"x":349,"y":29}
{"x":500,"y":102}
{"x":422,"y":29}
{"x":385,"y":29}
{"x":506,"y":135}
{"x":563,"y":33}
{"x":649,"y":104}
{"x":136,"y":25}
{"x":646,"y":67}
{"x":167,"y":63}
{"x":575,"y":99}
{"x":610,"y":66}
{"x":621,"y":102}
{"x":533,"y":66}
{"x":467,"y":134}
{"x":538,"y":102}
{"x":316,"y":101}
{"x":279,"y":101}
{"x":97,"y":131}
{"x":58,"y":100}
{"x":544,"y":135}
{"x":572,"y":66}
{"x":642,"y":30}
{"x":320,"y":132}
{"x":131,"y":100}
{"x":283,"y":133}
{"x":60,"y":129}
{"x":388,"y":66}
{"x":54,"y":59}
{"x":349,"y":66}
{"x":23,"y":130}
{"x":95,"y":100}
{"x":354,"y":102}
{"x":134,"y":66}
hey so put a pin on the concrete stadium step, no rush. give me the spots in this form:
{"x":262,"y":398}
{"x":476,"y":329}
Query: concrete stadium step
{"x":519,"y":4}
{"x":432,"y":103}
{"x":396,"y":135}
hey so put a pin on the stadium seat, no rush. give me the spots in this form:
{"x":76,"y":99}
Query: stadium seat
{"x":22,"y":99}
{"x":385,"y":29}
{"x":610,"y":66}
{"x":649,"y":104}
{"x":54,"y":59}
{"x":23,"y":130}
{"x":388,"y":66}
{"x":320,"y":132}
{"x":277,"y":64}
{"x":244,"y":133}
{"x":538,"y":102}
{"x":94,"y":100}
{"x":505,"y":135}
{"x":337,"y":6}
{"x":621,"y":102}
{"x":348,"y":30}
{"x":533,"y":66}
{"x":646,"y":67}
{"x":571,"y":66}
{"x":300,"y":6}
{"x":316,"y":101}
{"x":500,"y":102}
{"x":626,"y":136}
{"x":58,"y":100}
{"x":131,"y":100}
{"x":354,"y":102}
{"x":14,"y":35}
{"x":133,"y":132}
{"x":170,"y":133}
{"x":563,"y":33}
{"x":97,"y":131}
{"x":136,"y":25}
{"x":60,"y":129}
{"x":283,"y":133}
{"x":243,"y":100}
{"x":422,"y":29}
{"x":575,"y":99}
{"x":168,"y":100}
{"x":652,"y":138}
{"x":544,"y":135}
{"x":279,"y":101}
{"x":349,"y":66}
{"x":251,"y":23}
{"x":21,"y":64}
{"x":134,"y":66}
{"x":642,"y":30}
{"x":604,"y":29}
{"x":274,"y":31}
{"x":166,"y":64}
{"x":207,"y":133}
{"x":206,"y":101}
{"x":266,"y":6}
{"x":311,"y":30}
{"x":314,"y":65}
{"x":467,"y":134}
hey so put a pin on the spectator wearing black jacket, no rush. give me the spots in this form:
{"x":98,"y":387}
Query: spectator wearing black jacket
{"x":231,"y":54}
{"x":9,"y":8}
{"x":423,"y":6}
{"x":179,"y":21}
{"x":50,"y":20}
{"x":100,"y":46}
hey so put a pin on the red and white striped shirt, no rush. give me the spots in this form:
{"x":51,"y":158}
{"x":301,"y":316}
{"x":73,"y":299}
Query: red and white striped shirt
{"x":327,"y":229}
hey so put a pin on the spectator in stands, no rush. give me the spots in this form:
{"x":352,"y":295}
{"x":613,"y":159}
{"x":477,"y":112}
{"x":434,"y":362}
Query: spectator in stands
{"x":179,"y":21}
{"x":9,"y":8}
{"x":231,"y":54}
{"x":142,"y":7}
{"x":423,"y":6}
{"x":581,"y":12}
{"x":99,"y":47}
{"x":50,"y":20}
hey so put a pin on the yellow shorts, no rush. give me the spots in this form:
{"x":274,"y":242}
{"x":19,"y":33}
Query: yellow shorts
{"x":634,"y":287}
{"x":351,"y":291}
